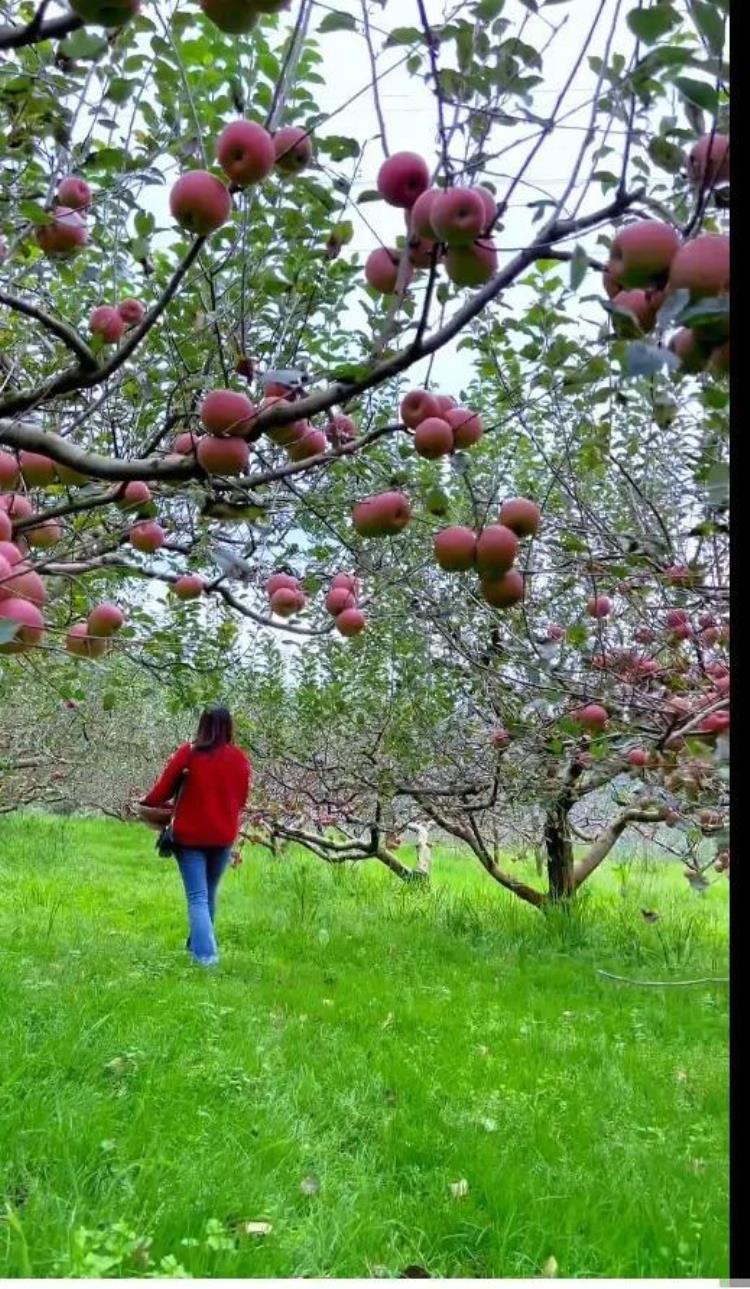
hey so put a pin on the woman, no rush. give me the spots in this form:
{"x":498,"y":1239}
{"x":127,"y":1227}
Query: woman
{"x":212,"y":777}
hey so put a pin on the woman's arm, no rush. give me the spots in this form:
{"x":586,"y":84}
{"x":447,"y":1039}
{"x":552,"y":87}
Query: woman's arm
{"x":166,"y":786}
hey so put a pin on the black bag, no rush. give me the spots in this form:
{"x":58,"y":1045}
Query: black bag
{"x":166,"y":846}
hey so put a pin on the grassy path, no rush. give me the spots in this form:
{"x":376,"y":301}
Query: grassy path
{"x":380,"y":1076}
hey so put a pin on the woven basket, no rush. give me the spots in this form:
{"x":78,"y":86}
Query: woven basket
{"x":155,"y":816}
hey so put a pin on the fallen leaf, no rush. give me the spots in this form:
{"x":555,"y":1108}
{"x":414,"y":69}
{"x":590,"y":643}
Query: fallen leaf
{"x":549,"y":1268}
{"x":459,"y":1189}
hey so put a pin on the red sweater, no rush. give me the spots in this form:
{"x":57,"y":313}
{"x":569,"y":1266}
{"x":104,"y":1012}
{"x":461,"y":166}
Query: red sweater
{"x":213,"y":794}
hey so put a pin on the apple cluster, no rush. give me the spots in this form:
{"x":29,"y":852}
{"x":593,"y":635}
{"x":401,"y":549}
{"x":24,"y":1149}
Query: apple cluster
{"x":285,"y":595}
{"x":440,"y":426}
{"x":649,"y":262}
{"x":341,"y":603}
{"x":447,"y":226}
{"x":109,"y":322}
{"x":492,"y":551}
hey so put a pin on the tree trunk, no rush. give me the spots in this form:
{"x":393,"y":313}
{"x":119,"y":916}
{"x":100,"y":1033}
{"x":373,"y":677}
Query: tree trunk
{"x":560,"y":862}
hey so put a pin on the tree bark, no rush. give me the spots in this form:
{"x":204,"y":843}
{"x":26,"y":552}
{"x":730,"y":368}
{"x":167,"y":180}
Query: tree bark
{"x":560,"y":861}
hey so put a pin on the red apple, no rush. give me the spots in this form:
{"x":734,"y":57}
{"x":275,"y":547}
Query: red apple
{"x":24,"y":583}
{"x":643,"y":305}
{"x":38,"y":471}
{"x":65,"y":235}
{"x":184,"y":444}
{"x":637,"y":756}
{"x":131,"y":311}
{"x":458,"y":216}
{"x":29,"y":621}
{"x":338,"y":599}
{"x":455,"y":549}
{"x":293,"y":149}
{"x":701,"y":266}
{"x":418,"y":219}
{"x":347,"y":580}
{"x":107,"y":323}
{"x":592,"y":716}
{"x":245,"y":151}
{"x":310,"y":444}
{"x":147,"y":536}
{"x":417,"y":406}
{"x":403,"y":178}
{"x":350,"y":622}
{"x":343,"y":426}
{"x":222,"y":455}
{"x":9,"y":472}
{"x":490,"y":206}
{"x":500,"y":738}
{"x":433,"y":438}
{"x":285,"y":602}
{"x":522,"y":515}
{"x":381,"y":270}
{"x":383,"y":515}
{"x":200,"y":202}
{"x":497,"y":548}
{"x":134,"y":495}
{"x":642,"y":253}
{"x":73,"y":193}
{"x":466,"y":425}
{"x":708,"y":163}
{"x":599,"y":606}
{"x":281,"y":581}
{"x":691,"y":351}
{"x":224,"y":411}
{"x":503,"y":592}
{"x":471,"y":265}
{"x":105,"y":619}
{"x":188,"y":586}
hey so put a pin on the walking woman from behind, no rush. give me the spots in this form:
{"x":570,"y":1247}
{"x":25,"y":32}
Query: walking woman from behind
{"x":211,"y":780}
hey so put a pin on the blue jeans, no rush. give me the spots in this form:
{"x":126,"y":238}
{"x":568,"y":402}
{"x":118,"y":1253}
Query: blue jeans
{"x":201,"y":869}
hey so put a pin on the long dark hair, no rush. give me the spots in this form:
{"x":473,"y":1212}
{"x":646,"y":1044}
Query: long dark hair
{"x":215,"y":729}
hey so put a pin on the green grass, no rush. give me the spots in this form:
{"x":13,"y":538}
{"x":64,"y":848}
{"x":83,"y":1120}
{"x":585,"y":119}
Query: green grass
{"x":361,"y":1048}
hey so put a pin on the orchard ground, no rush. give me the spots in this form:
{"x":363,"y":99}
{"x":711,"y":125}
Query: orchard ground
{"x":379,"y":1077}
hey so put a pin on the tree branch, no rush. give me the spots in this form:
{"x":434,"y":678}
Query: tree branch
{"x":56,"y":326}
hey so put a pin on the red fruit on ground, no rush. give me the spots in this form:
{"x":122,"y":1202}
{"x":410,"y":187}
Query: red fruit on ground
{"x":497,"y":547}
{"x":225,"y":412}
{"x":637,"y":756}
{"x":455,"y":549}
{"x":503,"y":592}
{"x":403,"y":178}
{"x":200,"y":202}
{"x":433,"y":438}
{"x":350,"y":622}
{"x":522,"y":515}
{"x":500,"y":738}
{"x":245,"y":151}
{"x":466,"y":425}
{"x":107,"y":323}
{"x":293,"y":149}
{"x":73,"y":193}
{"x":555,"y":631}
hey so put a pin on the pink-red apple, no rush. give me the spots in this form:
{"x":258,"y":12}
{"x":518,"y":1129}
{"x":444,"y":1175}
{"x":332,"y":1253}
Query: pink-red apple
{"x":293,"y":149}
{"x":497,"y":548}
{"x":466,"y":425}
{"x":200,"y":202}
{"x":522,"y":515}
{"x":458,"y":216}
{"x":417,"y":406}
{"x":224,"y":411}
{"x":223,"y":456}
{"x":403,"y":178}
{"x":245,"y":152}
{"x":147,"y":536}
{"x":107,"y":323}
{"x":105,"y":619}
{"x":455,"y":549}
{"x":131,"y":311}
{"x":433,"y":438}
{"x":65,"y":235}
{"x":642,"y":253}
{"x":503,"y":592}
{"x":188,"y":586}
{"x":383,"y":515}
{"x":350,"y":622}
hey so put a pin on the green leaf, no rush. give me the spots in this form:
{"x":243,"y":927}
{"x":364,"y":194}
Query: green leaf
{"x":33,"y":211}
{"x":709,"y":23}
{"x":120,"y":89}
{"x":667,"y":156}
{"x":649,"y":25}
{"x":338,"y":22}
{"x":699,"y":93}
{"x":404,"y":36}
{"x":578,"y":267}
{"x":370,"y":194}
{"x":83,"y":44}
